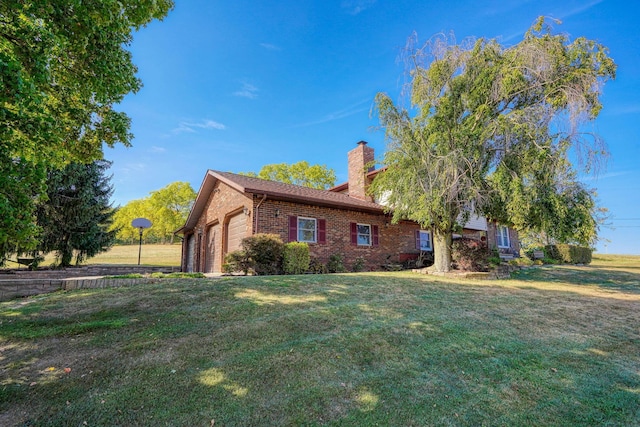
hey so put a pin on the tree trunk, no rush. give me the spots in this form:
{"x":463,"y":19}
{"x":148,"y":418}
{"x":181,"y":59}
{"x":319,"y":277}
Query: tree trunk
{"x":441,"y":251}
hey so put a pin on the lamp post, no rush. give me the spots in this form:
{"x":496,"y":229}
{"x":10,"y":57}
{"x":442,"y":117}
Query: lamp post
{"x":140,"y":224}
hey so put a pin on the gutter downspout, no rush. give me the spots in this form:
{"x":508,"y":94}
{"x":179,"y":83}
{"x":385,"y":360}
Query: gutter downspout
{"x":255,"y":217}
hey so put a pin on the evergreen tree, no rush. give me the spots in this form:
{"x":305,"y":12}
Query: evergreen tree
{"x":77,"y":217}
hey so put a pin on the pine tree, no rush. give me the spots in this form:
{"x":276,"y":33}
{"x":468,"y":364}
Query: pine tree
{"x":77,"y":217}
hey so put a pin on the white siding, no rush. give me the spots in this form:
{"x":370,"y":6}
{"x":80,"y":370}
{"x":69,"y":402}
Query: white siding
{"x":476,"y":223}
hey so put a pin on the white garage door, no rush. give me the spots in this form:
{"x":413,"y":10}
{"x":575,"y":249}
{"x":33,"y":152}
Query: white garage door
{"x":236,"y":231}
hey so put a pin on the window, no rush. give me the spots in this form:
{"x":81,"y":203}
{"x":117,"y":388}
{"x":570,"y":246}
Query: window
{"x":423,"y":240}
{"x":364,"y":234}
{"x":307,"y":230}
{"x":503,"y":236}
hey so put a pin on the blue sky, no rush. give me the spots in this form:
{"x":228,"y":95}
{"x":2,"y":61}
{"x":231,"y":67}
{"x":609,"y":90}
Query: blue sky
{"x":236,"y":85}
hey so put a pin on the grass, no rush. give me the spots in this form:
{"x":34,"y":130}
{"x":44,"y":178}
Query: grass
{"x":553,"y":346}
{"x":160,"y":255}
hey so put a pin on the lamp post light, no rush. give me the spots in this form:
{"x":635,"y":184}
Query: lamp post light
{"x":140,"y":224}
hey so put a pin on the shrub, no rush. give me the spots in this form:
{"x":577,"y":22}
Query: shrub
{"x":264,"y":252}
{"x":569,"y":253}
{"x":470,"y":254}
{"x":425,"y":259}
{"x":296,"y":258}
{"x":237,"y":261}
{"x":358,"y":265}
{"x":336,"y":264}
{"x":317,"y":267}
{"x":493,"y":258}
{"x":531,"y":252}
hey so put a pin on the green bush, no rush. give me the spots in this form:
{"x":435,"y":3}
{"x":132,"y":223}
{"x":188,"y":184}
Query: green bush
{"x":336,"y":264}
{"x":264,"y":252}
{"x":569,"y":254}
{"x":494,"y":260}
{"x":317,"y":267}
{"x":296,"y":258}
{"x":470,"y":254}
{"x":237,"y":261}
{"x":531,"y":250}
{"x":358,"y":265}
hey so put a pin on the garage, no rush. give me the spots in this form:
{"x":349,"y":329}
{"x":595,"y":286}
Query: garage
{"x":236,"y":231}
{"x":190,"y":251}
{"x":214,"y":249}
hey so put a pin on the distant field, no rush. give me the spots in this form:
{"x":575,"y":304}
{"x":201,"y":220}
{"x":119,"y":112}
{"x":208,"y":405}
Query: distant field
{"x":168,"y":255}
{"x":615,"y":261}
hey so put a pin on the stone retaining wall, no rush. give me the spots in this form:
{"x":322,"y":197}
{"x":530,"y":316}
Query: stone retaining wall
{"x":24,"y":283}
{"x":101,"y":282}
{"x":16,"y":288}
{"x":85,"y":271}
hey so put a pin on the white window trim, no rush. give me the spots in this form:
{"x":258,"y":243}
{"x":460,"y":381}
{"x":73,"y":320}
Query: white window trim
{"x":315,"y":230}
{"x":430,"y":240}
{"x":358,"y":235}
{"x":500,"y":237}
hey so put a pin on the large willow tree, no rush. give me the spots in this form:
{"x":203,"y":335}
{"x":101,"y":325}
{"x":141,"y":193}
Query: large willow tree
{"x":487,"y":126}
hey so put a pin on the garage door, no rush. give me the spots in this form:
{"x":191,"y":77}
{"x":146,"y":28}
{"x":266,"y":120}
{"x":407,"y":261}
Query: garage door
{"x":236,"y":231}
{"x":214,"y":250}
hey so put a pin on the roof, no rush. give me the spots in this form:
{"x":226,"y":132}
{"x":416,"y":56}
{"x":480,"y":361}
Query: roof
{"x":345,"y":185}
{"x":275,"y":191}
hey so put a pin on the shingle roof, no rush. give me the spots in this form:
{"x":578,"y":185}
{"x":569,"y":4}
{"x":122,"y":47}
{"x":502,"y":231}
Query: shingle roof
{"x":275,"y":190}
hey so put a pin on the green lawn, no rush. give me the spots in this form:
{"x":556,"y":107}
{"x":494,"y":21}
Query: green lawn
{"x":554,"y":346}
{"x":152,"y":254}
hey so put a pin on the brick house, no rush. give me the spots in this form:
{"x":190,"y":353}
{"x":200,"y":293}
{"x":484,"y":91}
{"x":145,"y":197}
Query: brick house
{"x":343,"y":219}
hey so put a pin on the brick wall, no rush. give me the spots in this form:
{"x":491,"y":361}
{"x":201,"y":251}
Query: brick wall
{"x":358,"y":158}
{"x":223,"y":202}
{"x":273,"y":216}
{"x":492,"y":239}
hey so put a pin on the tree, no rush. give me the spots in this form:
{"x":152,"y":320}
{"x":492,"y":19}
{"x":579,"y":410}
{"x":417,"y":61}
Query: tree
{"x":565,"y":211}
{"x":167,"y":209}
{"x":485,"y":120}
{"x":171,"y":206}
{"x":140,"y":208}
{"x":77,"y":217}
{"x":300,"y":173}
{"x":64,"y":64}
{"x":568,"y":212}
{"x":19,"y":180}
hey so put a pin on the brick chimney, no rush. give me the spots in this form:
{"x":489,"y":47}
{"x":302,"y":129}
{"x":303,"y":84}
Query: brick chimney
{"x":359,"y":158}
